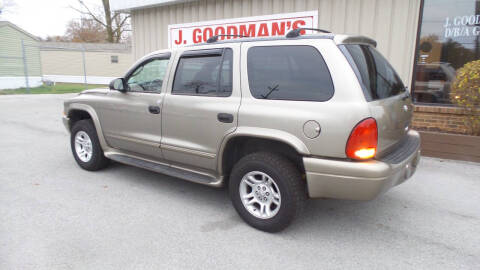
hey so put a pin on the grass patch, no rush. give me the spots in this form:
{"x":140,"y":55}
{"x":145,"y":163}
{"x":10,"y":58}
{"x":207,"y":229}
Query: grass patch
{"x":59,"y":88}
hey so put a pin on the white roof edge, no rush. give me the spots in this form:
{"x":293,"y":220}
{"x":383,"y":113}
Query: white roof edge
{"x":129,"y":5}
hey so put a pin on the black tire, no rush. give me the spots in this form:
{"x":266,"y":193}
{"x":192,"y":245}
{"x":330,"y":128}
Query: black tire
{"x":287,"y":178}
{"x":98,"y":160}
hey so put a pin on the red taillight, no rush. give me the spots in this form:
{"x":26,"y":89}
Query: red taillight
{"x":362,"y":143}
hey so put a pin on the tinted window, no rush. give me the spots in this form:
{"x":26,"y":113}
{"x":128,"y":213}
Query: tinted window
{"x":377,"y":76}
{"x":148,"y":77}
{"x":209,"y":75}
{"x":288,"y":73}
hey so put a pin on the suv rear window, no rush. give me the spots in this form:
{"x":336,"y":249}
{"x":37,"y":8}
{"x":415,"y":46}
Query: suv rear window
{"x":288,"y":73}
{"x":377,"y":77}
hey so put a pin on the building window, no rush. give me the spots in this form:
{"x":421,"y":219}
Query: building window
{"x":449,"y":38}
{"x":114,"y":59}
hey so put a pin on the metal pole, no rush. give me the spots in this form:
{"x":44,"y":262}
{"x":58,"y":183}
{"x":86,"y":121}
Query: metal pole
{"x":25,"y":68}
{"x":84,"y":67}
{"x":40,"y":61}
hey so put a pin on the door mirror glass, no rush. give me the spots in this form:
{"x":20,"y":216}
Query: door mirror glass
{"x":118,"y":84}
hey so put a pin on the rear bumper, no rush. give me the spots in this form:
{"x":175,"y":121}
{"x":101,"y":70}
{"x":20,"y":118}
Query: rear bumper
{"x":362,"y":180}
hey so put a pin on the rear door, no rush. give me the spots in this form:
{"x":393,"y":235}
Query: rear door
{"x":389,"y":102}
{"x":201,"y":104}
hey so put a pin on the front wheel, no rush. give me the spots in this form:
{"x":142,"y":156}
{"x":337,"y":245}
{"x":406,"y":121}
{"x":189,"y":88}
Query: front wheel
{"x":86,"y":147}
{"x":267,"y":191}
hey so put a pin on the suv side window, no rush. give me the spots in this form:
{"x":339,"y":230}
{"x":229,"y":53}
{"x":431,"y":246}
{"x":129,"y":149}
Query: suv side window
{"x":378,"y":78}
{"x":288,"y":73}
{"x":148,"y":77}
{"x":204,"y":74}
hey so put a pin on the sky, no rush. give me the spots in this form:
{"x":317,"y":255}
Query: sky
{"x":43,"y":17}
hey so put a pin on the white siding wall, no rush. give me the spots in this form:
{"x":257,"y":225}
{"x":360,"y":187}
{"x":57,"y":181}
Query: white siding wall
{"x":98,"y":63}
{"x":393,"y":23}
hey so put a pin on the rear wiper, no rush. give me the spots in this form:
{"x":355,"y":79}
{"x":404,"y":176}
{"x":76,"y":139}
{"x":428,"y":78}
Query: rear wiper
{"x":275,"y":88}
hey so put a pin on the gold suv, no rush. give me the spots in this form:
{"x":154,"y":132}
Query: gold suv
{"x":278,"y":120}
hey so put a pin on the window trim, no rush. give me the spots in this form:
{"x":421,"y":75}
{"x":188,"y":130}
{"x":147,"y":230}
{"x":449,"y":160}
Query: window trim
{"x":284,"y":99}
{"x":416,"y":56}
{"x":165,"y":56}
{"x":204,"y":53}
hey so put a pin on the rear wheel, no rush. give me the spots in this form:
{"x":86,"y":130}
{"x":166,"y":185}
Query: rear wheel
{"x":267,"y":191}
{"x":85,"y":146}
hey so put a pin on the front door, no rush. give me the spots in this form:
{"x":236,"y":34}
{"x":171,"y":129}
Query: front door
{"x":131,"y":121}
{"x":201,"y":105}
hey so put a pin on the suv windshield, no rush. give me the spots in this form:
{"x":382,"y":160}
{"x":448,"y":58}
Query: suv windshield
{"x":377,"y":77}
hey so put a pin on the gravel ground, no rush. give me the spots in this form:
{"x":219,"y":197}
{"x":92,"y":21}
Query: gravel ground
{"x":54,"y":215}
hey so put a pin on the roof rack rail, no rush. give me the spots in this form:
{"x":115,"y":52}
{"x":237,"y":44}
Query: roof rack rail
{"x":213,"y":39}
{"x":296,"y":32}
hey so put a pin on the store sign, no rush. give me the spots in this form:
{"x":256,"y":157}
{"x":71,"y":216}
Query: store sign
{"x":258,"y":26}
{"x":462,"y":26}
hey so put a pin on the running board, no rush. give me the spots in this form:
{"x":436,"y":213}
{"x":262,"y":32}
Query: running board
{"x":166,"y":169}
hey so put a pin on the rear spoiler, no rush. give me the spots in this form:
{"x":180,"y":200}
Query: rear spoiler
{"x":346,"y":39}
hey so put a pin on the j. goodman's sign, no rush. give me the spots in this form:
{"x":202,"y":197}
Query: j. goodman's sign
{"x":258,"y":26}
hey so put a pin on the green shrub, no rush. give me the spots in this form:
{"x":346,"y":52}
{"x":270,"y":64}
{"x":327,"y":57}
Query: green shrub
{"x":465,"y":93}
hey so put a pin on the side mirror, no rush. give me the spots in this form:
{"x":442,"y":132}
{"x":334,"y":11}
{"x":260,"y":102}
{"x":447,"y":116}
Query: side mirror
{"x":118,"y":84}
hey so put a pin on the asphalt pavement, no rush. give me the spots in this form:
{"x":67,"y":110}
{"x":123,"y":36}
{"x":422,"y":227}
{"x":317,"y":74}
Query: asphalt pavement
{"x":54,"y":215}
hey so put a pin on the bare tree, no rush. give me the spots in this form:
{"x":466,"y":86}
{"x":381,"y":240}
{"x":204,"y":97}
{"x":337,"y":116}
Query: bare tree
{"x":115,"y":23}
{"x":85,"y":30}
{"x":56,"y":39}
